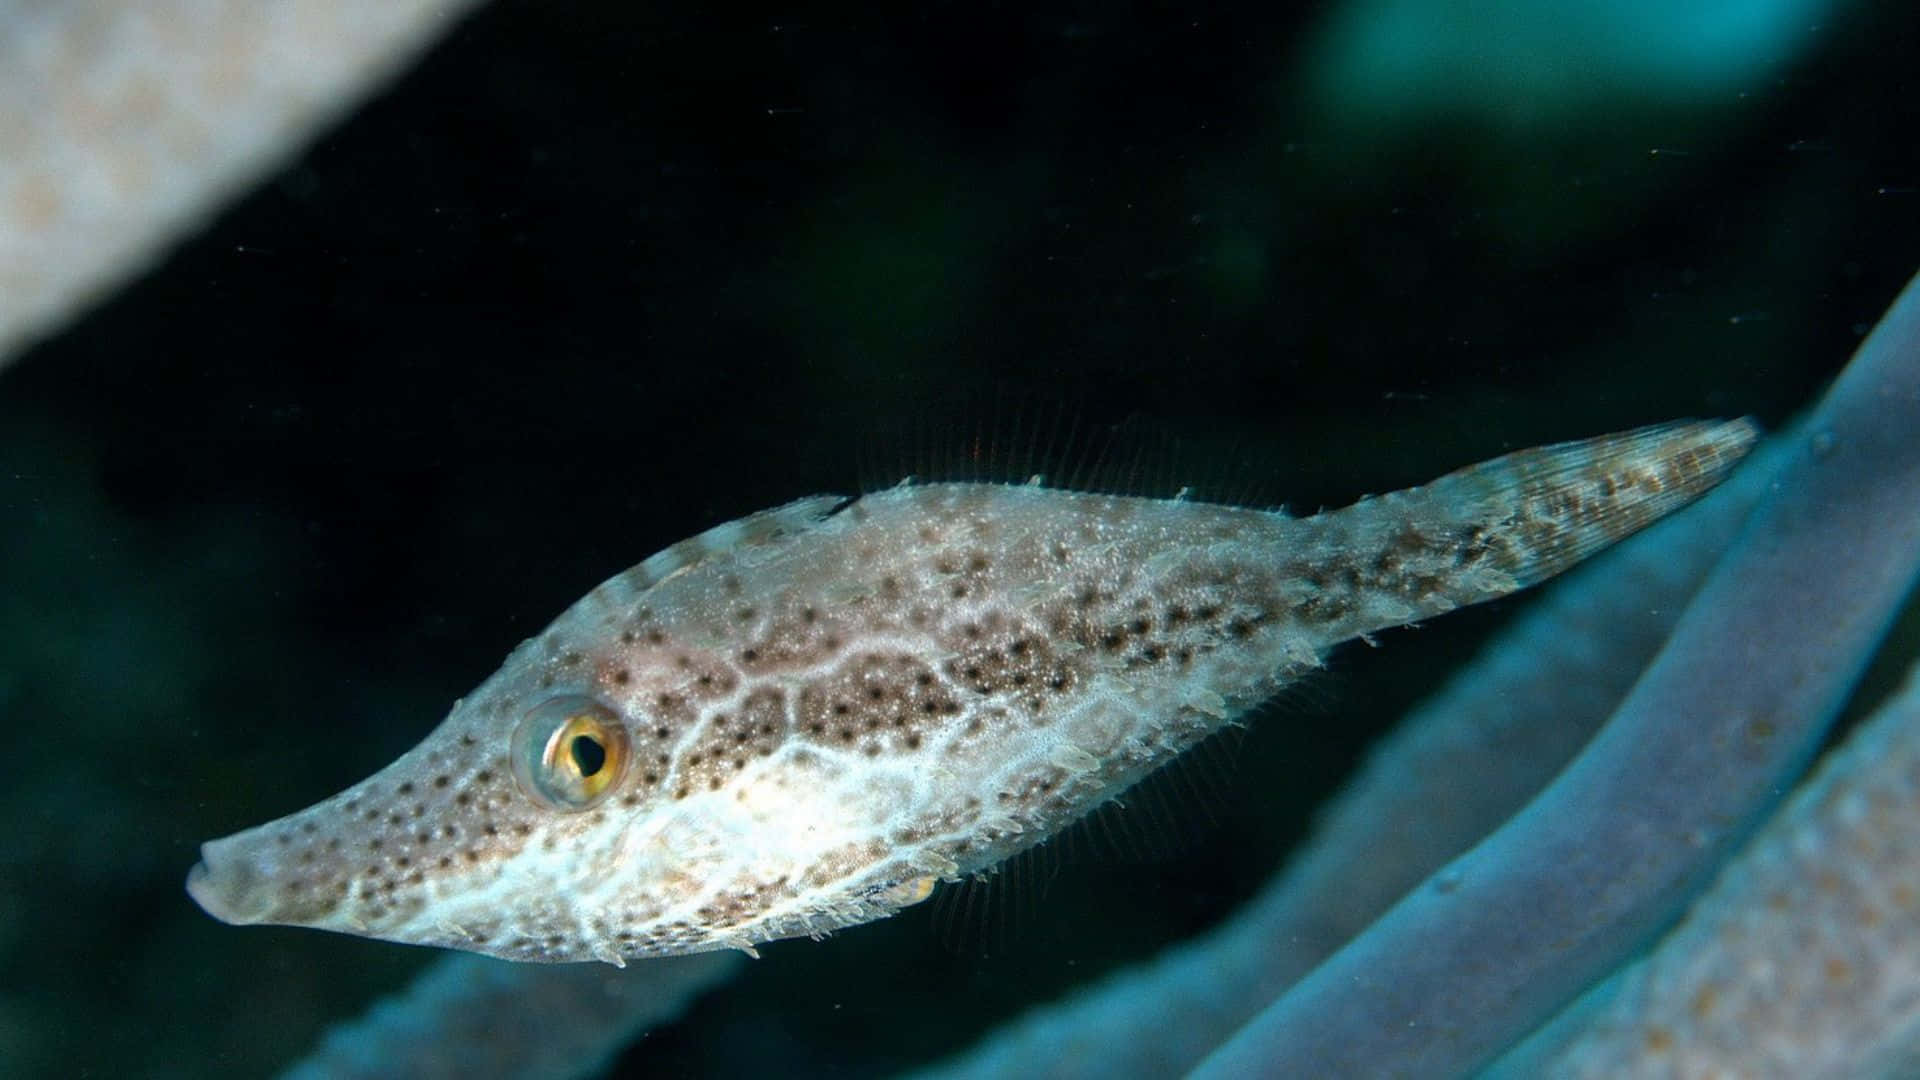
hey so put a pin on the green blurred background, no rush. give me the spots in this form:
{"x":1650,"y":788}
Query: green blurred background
{"x":591,"y":279}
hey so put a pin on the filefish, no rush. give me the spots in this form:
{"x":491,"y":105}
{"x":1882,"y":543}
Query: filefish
{"x":805,"y":719}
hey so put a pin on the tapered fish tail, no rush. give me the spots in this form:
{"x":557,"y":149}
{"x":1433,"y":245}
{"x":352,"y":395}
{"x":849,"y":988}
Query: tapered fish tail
{"x":1489,"y":529}
{"x":1544,"y":509}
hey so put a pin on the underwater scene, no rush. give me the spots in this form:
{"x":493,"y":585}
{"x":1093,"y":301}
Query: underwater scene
{"x":346,"y":345}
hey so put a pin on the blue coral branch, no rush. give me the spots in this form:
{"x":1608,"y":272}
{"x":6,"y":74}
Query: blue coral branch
{"x":471,"y":1016}
{"x":1763,"y":658}
{"x":1803,"y":960}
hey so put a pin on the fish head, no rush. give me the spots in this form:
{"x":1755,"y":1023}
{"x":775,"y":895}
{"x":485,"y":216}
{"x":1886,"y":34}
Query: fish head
{"x":524,"y":826}
{"x":566,"y":811}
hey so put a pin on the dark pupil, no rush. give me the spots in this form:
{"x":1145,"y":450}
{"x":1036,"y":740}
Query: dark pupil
{"x":588,"y":755}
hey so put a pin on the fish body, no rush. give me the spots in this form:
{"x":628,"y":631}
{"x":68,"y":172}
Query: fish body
{"x":805,"y":719}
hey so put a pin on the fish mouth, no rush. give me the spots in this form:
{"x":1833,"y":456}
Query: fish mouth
{"x":227,"y":885}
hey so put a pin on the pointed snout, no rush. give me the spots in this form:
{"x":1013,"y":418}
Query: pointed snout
{"x":227,"y":883}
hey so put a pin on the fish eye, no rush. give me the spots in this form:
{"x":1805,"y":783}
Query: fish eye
{"x":569,"y":751}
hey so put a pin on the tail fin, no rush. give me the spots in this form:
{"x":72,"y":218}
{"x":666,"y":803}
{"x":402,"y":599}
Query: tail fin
{"x":1547,"y":508}
{"x":1489,"y":529}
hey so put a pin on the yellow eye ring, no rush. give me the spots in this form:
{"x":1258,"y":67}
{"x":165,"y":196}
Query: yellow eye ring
{"x":569,"y":752}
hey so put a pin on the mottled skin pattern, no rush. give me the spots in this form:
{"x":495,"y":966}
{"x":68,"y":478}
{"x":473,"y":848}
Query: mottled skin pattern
{"x":808,"y":717}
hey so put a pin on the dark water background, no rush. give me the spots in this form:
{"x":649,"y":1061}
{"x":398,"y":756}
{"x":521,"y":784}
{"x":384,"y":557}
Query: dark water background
{"x":589,"y":280}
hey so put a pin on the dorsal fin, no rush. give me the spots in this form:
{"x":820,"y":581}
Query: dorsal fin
{"x":1000,"y":437}
{"x":754,"y":530}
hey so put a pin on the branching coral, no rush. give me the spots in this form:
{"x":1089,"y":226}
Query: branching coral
{"x":473,"y":1016}
{"x":1755,"y":670}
